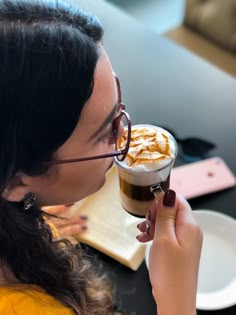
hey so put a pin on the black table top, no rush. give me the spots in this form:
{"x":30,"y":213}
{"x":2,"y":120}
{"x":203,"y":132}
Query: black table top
{"x":166,"y":85}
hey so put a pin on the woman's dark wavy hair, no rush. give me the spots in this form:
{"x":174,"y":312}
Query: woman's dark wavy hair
{"x":48,"y":54}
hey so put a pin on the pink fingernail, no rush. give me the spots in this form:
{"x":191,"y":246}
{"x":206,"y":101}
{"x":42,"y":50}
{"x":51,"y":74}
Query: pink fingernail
{"x":83,"y":217}
{"x":169,"y":198}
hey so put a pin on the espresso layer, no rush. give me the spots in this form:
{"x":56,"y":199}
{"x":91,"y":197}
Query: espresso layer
{"x":141,"y":193}
{"x":135,"y":207}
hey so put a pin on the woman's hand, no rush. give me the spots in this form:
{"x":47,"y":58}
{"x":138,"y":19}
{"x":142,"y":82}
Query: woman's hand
{"x":174,"y":254}
{"x":67,"y":226}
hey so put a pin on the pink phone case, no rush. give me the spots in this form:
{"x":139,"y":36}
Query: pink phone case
{"x":200,"y":178}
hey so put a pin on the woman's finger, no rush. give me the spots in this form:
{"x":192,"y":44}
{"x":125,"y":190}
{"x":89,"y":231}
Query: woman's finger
{"x":62,"y":222}
{"x":56,"y":210}
{"x":142,"y":226}
{"x":144,"y":237}
{"x":73,"y":230}
{"x":147,"y":227}
{"x":166,"y":216}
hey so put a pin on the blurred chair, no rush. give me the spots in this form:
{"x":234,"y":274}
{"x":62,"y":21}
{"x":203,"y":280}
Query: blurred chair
{"x":209,"y":30}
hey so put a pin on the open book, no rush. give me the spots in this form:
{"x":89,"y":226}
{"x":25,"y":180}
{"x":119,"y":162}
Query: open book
{"x":111,"y":230}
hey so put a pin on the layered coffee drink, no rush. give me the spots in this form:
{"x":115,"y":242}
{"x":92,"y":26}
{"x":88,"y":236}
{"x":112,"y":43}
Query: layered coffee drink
{"x":146,"y":167}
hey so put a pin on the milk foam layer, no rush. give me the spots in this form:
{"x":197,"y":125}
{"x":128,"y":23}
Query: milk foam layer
{"x":151,"y":148}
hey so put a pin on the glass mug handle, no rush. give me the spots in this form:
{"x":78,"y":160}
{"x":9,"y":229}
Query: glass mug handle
{"x":155,"y":189}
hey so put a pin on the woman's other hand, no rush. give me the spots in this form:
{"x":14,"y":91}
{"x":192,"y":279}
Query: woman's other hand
{"x":67,"y":226}
{"x":174,"y":254}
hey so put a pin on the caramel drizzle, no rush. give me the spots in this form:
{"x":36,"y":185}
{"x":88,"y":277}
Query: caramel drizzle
{"x":153,"y":145}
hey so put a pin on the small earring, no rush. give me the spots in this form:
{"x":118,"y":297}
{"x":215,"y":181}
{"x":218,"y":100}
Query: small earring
{"x":29,"y":200}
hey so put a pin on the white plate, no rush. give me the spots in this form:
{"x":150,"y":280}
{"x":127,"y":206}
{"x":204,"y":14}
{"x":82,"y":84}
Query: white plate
{"x":217,"y":273}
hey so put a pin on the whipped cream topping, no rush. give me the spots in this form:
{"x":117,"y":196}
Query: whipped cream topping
{"x":151,"y":148}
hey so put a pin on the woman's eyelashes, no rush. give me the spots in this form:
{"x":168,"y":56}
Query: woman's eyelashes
{"x":108,"y":137}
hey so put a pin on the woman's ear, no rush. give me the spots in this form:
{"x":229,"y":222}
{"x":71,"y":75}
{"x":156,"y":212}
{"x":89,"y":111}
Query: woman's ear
{"x":16,"y":189}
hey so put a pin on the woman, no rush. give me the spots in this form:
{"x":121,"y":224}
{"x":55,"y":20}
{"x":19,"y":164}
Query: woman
{"x":59,"y":107}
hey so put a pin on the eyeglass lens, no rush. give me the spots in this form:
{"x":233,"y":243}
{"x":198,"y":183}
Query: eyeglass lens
{"x":119,"y":125}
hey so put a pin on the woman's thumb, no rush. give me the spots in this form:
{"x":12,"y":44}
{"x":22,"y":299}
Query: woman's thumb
{"x":166,"y":215}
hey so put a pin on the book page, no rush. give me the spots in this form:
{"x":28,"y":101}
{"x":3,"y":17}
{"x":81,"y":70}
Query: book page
{"x":111,"y":229}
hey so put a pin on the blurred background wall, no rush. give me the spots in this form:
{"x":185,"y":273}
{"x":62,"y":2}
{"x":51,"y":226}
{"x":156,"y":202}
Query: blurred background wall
{"x":158,"y":15}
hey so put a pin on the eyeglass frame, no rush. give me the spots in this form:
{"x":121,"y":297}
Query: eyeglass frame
{"x":116,"y":153}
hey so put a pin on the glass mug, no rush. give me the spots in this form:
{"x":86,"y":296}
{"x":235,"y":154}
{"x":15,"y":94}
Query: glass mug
{"x":146,"y":168}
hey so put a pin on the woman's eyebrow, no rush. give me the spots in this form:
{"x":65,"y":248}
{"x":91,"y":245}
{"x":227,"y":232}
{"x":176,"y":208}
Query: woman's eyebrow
{"x":107,"y":120}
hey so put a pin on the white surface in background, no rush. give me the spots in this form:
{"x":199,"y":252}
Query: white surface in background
{"x":217,"y":273}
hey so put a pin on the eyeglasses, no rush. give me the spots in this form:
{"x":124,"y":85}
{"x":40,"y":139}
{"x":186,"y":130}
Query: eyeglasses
{"x":122,"y":118}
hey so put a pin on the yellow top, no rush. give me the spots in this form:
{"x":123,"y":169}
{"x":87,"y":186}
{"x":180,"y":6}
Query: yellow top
{"x":25,"y":299}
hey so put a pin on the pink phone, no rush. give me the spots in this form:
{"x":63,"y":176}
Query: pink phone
{"x":200,"y":178}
